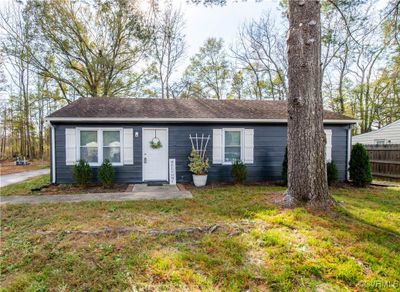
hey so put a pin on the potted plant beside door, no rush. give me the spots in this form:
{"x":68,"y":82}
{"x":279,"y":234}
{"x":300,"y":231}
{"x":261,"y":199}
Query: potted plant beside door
{"x":198,"y":166}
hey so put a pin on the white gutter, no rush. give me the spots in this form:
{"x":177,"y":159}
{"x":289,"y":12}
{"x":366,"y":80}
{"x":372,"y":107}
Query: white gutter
{"x":349,"y":137}
{"x":53,"y":155}
{"x":178,"y":120}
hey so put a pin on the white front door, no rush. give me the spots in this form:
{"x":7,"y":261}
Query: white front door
{"x":155,"y":160}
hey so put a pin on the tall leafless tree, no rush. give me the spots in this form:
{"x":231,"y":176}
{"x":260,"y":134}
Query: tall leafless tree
{"x":259,"y":49}
{"x":167,"y":44}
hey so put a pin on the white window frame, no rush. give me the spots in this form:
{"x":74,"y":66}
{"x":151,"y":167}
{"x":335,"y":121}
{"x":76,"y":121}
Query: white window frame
{"x":241,"y":130}
{"x":100,"y":144}
{"x":379,"y":141}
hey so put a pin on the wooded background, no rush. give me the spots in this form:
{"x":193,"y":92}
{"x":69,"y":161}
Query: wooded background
{"x":53,"y":52}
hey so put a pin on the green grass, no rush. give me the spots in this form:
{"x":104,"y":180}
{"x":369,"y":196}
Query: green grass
{"x":355,"y":248}
{"x":24,"y":188}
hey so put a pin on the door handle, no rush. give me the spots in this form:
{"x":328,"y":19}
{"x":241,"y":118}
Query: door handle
{"x":145,"y":160}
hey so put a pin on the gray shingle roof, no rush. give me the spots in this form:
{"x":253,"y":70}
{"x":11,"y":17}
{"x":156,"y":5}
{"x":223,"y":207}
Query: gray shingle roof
{"x":136,"y":108}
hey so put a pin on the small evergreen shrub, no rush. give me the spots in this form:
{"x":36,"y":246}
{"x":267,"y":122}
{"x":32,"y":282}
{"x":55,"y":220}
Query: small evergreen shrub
{"x":197,"y":165}
{"x":332,"y":172}
{"x":285,"y":168}
{"x":239,"y":172}
{"x":106,"y":173}
{"x":82,"y":173}
{"x":360,"y":168}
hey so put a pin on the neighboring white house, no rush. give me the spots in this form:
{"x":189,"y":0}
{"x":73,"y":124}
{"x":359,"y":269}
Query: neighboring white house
{"x":389,"y":134}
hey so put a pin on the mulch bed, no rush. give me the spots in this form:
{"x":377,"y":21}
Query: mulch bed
{"x":75,"y":189}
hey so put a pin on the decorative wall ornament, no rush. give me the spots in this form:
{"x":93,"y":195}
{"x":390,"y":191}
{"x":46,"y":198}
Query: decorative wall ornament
{"x":155,"y":143}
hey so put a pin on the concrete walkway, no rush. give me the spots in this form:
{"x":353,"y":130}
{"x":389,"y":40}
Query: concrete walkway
{"x":9,"y":179}
{"x":143,"y":192}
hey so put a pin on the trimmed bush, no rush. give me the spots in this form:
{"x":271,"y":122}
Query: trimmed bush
{"x":239,"y":172}
{"x":360,"y":168}
{"x":284,"y":168}
{"x":106,"y":173}
{"x":82,"y":173}
{"x":332,"y":172}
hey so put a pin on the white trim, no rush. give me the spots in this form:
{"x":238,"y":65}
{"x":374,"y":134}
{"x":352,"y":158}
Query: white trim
{"x":248,"y":148}
{"x":167,"y":136}
{"x":99,"y":144}
{"x":128,"y":146}
{"x":53,"y":154}
{"x":328,"y":146}
{"x":241,"y":130}
{"x":349,"y":145}
{"x":194,"y":120}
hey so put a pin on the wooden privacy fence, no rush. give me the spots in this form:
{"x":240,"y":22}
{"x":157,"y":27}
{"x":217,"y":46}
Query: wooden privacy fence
{"x":385,"y":160}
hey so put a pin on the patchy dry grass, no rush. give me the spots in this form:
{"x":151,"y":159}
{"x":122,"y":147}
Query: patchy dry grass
{"x":24,"y":188}
{"x":356,"y":248}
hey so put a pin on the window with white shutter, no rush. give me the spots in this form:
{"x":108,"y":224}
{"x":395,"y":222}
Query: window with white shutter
{"x":94,"y":145}
{"x":231,"y":144}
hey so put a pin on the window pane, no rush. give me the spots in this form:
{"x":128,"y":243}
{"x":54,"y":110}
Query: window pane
{"x":232,"y":138}
{"x":232,"y":154}
{"x":111,"y":138}
{"x":89,"y":154}
{"x":89,"y":138}
{"x":113,"y":154}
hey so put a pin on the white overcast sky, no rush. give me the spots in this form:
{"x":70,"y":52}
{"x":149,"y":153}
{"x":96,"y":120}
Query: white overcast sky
{"x":202,"y":22}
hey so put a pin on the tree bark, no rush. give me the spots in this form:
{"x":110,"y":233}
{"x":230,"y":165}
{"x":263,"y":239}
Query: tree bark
{"x":307,"y":180}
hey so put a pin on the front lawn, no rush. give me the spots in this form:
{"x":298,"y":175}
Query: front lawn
{"x":25,"y":188}
{"x":61,"y":247}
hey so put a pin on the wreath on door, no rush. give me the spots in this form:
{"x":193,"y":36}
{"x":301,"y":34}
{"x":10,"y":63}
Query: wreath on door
{"x":155,"y":143}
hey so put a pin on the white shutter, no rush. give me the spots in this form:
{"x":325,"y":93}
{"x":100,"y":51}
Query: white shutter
{"x":128,"y":146}
{"x":217,"y":146}
{"x":328,"y":146}
{"x":249,"y":146}
{"x":70,"y":146}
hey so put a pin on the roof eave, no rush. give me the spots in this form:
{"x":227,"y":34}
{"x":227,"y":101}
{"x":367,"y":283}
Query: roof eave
{"x":188,"y":120}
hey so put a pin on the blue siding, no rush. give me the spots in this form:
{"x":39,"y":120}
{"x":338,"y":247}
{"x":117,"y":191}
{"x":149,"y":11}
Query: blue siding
{"x":269,"y":147}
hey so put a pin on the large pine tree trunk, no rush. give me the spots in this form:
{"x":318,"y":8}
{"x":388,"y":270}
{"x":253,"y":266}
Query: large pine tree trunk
{"x":307,"y":182}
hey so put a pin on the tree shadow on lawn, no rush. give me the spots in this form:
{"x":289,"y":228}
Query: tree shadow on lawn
{"x":266,"y":255}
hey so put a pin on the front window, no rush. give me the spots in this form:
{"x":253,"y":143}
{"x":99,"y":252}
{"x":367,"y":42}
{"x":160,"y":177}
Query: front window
{"x":112,"y":146}
{"x":232,"y":149}
{"x":88,"y":147}
{"x":380,"y":141}
{"x":100,"y":144}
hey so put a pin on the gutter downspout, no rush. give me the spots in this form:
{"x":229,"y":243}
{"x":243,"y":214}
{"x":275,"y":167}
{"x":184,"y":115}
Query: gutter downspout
{"x":53,"y":154}
{"x":349,"y":146}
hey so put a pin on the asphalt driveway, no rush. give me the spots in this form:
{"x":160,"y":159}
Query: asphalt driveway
{"x":9,"y":179}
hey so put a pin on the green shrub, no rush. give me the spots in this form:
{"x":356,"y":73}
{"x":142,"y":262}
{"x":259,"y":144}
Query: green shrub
{"x":82,"y":173}
{"x":332,"y":172}
{"x":360,"y":168}
{"x":239,"y":172}
{"x":197,"y":165}
{"x":106,"y":173}
{"x":284,"y":168}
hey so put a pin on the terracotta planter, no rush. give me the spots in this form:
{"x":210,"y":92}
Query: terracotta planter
{"x":200,"y":180}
